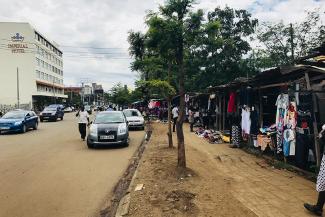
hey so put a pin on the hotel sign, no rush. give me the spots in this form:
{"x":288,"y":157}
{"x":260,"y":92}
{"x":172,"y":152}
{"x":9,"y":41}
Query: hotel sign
{"x":17,"y":44}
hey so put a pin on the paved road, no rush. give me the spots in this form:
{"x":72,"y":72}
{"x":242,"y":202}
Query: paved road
{"x":50,"y":172}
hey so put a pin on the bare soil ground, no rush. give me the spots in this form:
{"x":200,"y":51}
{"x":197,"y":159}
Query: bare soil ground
{"x":219,"y":181}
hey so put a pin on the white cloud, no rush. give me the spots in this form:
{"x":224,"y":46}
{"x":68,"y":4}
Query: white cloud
{"x":105,"y":23}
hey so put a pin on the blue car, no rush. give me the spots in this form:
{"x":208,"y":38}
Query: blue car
{"x":18,"y":121}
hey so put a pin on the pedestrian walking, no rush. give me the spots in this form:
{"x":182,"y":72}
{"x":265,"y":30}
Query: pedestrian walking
{"x":191,"y":119}
{"x":83,"y":121}
{"x":320,"y":186}
{"x":175,"y":116}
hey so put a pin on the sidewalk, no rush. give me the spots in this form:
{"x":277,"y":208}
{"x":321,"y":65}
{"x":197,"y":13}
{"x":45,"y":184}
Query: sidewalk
{"x":220,"y":182}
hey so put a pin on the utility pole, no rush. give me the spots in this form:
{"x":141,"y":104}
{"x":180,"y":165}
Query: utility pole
{"x":54,"y":91}
{"x":82,"y":93}
{"x":292,"y":45}
{"x":18,"y":88}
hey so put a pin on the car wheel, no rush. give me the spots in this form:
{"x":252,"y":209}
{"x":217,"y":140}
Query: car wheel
{"x":55,"y":118}
{"x":126,"y":144}
{"x":142,"y":128}
{"x":62,"y":118}
{"x":35,"y":126}
{"x":23,"y":129}
{"x":90,"y":146}
{"x":41,"y":119}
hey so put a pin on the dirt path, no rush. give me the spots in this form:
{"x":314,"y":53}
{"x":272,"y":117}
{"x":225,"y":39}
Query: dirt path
{"x":50,"y":172}
{"x":221,"y":182}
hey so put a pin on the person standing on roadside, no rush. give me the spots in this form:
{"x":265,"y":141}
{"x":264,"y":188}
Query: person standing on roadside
{"x":191,"y":119}
{"x":317,"y":209}
{"x":83,"y":121}
{"x":175,"y":116}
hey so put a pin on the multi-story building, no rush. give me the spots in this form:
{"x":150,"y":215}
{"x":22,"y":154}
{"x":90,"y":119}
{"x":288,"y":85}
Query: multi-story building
{"x":31,"y":67}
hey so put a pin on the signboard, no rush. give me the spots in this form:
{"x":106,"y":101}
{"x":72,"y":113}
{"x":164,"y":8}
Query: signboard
{"x":17,"y":44}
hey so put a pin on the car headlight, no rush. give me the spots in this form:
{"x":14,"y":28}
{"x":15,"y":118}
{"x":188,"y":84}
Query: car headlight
{"x":121,"y":129}
{"x":93,"y":130}
{"x":17,"y":123}
{"x":53,"y":113}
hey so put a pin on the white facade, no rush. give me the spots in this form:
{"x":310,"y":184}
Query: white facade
{"x":39,"y":63}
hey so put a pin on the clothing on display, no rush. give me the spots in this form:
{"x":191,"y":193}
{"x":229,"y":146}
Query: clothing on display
{"x":302,"y":147}
{"x":235,"y":135}
{"x":320,"y":186}
{"x":232,"y":103}
{"x":289,"y":142}
{"x":245,"y":122}
{"x":254,"y":122}
{"x":264,"y":141}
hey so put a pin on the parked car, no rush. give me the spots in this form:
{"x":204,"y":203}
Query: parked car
{"x":88,"y":109}
{"x":18,"y":121}
{"x":108,"y":128}
{"x":52,"y":112}
{"x":134,"y":118}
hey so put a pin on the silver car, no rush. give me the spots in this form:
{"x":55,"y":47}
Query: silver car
{"x":108,"y":128}
{"x":134,"y":118}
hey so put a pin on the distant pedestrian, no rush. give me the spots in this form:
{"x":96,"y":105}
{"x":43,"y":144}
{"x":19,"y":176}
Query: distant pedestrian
{"x":191,"y":119}
{"x":175,"y":116}
{"x":109,"y":108}
{"x":317,"y":209}
{"x":83,"y":122}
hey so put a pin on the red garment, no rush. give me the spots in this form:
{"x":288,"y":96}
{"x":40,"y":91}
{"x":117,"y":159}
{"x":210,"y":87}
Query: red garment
{"x":231,"y":103}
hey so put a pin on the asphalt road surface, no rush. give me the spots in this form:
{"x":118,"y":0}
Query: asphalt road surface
{"x":51,"y":172}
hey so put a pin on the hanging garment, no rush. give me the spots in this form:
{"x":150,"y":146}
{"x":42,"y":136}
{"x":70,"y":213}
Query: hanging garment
{"x":235,"y":135}
{"x":282,"y":101}
{"x":280,"y":128}
{"x":302,"y":148}
{"x":289,"y":142}
{"x":254,"y":122}
{"x":232,"y":103}
{"x":291,"y":120}
{"x":245,"y":122}
{"x":320,"y":186}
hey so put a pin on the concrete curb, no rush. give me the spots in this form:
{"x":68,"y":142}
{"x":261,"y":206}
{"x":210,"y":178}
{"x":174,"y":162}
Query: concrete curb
{"x":124,"y":205}
{"x":120,"y":201}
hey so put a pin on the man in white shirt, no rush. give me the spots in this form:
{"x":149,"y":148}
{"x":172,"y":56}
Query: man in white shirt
{"x":175,"y":116}
{"x":83,"y":120}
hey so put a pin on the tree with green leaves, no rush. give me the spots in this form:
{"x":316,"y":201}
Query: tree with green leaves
{"x":285,"y":42}
{"x":120,"y":95}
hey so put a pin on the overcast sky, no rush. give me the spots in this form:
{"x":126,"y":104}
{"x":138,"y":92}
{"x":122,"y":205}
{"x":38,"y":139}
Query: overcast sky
{"x":80,"y":26}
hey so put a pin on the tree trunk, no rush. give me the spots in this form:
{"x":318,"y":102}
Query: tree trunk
{"x":179,"y":124}
{"x":170,"y":135}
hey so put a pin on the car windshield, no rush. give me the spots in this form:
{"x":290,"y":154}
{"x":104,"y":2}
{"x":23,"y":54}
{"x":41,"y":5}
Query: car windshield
{"x":14,"y":115}
{"x":50,"y":109}
{"x":131,"y":113}
{"x":111,"y":117}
